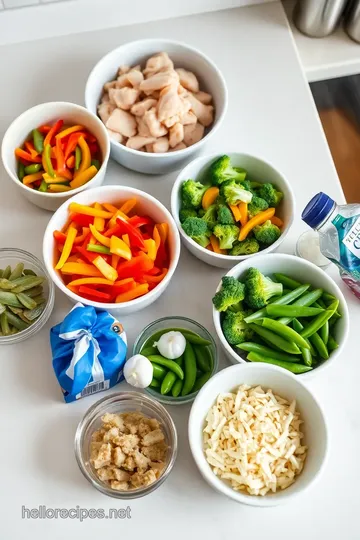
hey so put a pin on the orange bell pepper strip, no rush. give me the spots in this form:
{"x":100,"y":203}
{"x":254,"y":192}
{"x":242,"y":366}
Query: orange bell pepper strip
{"x":209,"y":197}
{"x":126,"y":239}
{"x":85,"y":157}
{"x":58,"y":188}
{"x":105,"y":268}
{"x":90,"y":281}
{"x":163,"y":229}
{"x":243,"y":208}
{"x":123,"y":285}
{"x":115,"y":260}
{"x":118,"y":247}
{"x":70,"y":162}
{"x":99,"y":223}
{"x":31,"y":149}
{"x":69,"y":242}
{"x":215,"y":245}
{"x":114,"y":217}
{"x":99,"y":237}
{"x":150,"y":248}
{"x":110,"y":207}
{"x":139,"y":290}
{"x":235,"y":211}
{"x":81,"y":269}
{"x":156,"y":279}
{"x":88,"y":211}
{"x":53,"y":131}
{"x":68,"y":131}
{"x":260,"y":218}
{"x":57,"y":180}
{"x":21,"y":154}
{"x":128,"y":206}
{"x":157,"y":237}
{"x":83,"y":177}
{"x":30,"y":178}
{"x":81,"y":237}
{"x":137,"y":266}
{"x":277,"y":221}
{"x":60,"y":158}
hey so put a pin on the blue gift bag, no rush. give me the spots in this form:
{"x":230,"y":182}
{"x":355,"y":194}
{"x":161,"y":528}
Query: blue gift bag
{"x":89,"y":352}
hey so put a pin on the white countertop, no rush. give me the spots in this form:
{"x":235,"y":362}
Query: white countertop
{"x":271,"y":113}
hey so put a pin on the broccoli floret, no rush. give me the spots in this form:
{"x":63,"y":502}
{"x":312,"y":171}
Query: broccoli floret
{"x":246,"y":184}
{"x":234,"y":193}
{"x":257,"y":205}
{"x":231,"y":293}
{"x":235,"y":328}
{"x":246,"y":247}
{"x":227,"y":235}
{"x":270,"y":194}
{"x":259,"y":289}
{"x":210,"y":216}
{"x":221,"y":171}
{"x":192,"y":193}
{"x":185,"y":213}
{"x":224,"y":215}
{"x":267,"y":233}
{"x":198,"y":230}
{"x":201,"y":212}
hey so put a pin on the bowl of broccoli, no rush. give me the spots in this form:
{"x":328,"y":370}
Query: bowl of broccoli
{"x":231,"y":207}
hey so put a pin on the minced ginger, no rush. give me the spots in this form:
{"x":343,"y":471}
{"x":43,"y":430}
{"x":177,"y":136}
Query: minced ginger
{"x":128,"y":451}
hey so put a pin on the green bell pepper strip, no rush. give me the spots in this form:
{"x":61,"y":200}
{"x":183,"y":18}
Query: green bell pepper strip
{"x":176,"y":389}
{"x":96,"y":163}
{"x":33,"y":168}
{"x":168,"y":383}
{"x":190,"y":369}
{"x":306,"y":353}
{"x":287,"y":281}
{"x":38,"y":141}
{"x":43,"y":187}
{"x":249,"y":346}
{"x":78,"y":156}
{"x":306,"y":300}
{"x":21,"y":171}
{"x":170,"y":364}
{"x":283,"y":300}
{"x":332,"y":344}
{"x":275,"y":339}
{"x":319,"y":345}
{"x":324,"y":332}
{"x":203,"y":358}
{"x":292,"y":311}
{"x":284,"y":331}
{"x":158,"y":372}
{"x":320,"y":320}
{"x":200,"y":381}
{"x":294,"y":368}
{"x":47,"y":161}
{"x":97,"y":249}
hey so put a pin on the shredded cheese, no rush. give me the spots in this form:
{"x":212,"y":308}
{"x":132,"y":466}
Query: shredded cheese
{"x":252,"y":439}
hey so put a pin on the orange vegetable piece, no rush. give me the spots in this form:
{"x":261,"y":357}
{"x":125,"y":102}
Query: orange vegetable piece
{"x":110,"y":207}
{"x":81,"y":269}
{"x":215,"y":245}
{"x":260,"y":218}
{"x":69,"y":242}
{"x":70,"y":162}
{"x":243,"y":208}
{"x":157,"y":237}
{"x":277,"y":221}
{"x":88,"y":211}
{"x":156,"y":279}
{"x":30,"y":178}
{"x":209,"y":197}
{"x":126,"y":239}
{"x":115,"y":260}
{"x":139,"y":290}
{"x":99,"y":223}
{"x":235,"y":211}
{"x":128,"y":206}
{"x":90,"y":281}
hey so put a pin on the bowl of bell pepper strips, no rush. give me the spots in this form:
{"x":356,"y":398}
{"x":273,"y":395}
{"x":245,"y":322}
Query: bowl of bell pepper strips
{"x":112,"y":247}
{"x":54,"y":151}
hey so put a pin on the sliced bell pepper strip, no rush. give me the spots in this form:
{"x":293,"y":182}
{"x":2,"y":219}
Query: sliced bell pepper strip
{"x":126,"y":239}
{"x":57,"y":180}
{"x":82,"y":219}
{"x":46,"y":160}
{"x":139,"y":221}
{"x":163,"y":229}
{"x":85,"y":156}
{"x":68,"y":131}
{"x":72,"y":144}
{"x":99,"y":223}
{"x":88,"y":211}
{"x":277,"y":221}
{"x":99,"y":237}
{"x":115,"y":260}
{"x":44,"y":129}
{"x":60,"y":158}
{"x":77,"y":157}
{"x":154,"y":271}
{"x":260,"y":218}
{"x":58,"y":188}
{"x":21,"y":154}
{"x":157,"y":237}
{"x":60,"y":237}
{"x":209,"y":197}
{"x":81,"y":269}
{"x":105,"y":268}
{"x":65,"y":173}
{"x":216,"y":246}
{"x":110,"y":207}
{"x":235,"y":211}
{"x":53,"y":131}
{"x":43,"y":187}
{"x":139,"y":290}
{"x":30,"y":178}
{"x":243,"y":208}
{"x":96,"y":248}
{"x":123,"y":285}
{"x":90,"y":257}
{"x":128,"y":206}
{"x":31,"y":149}
{"x":83,"y":177}
{"x":156,"y":279}
{"x":118,"y":247}
{"x":116,"y":230}
{"x":90,"y":281}
{"x":83,"y":289}
{"x":38,"y":140}
{"x":70,"y":162}
{"x":135,"y":236}
{"x":137,"y":266}
{"x":150,"y":248}
{"x":70,"y":237}
{"x":117,"y":214}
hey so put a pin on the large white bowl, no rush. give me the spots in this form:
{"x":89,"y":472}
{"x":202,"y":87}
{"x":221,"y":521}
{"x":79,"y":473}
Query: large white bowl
{"x":135,"y":52}
{"x":259,"y":170}
{"x":284,"y":384}
{"x":147,"y":205}
{"x":300,"y":270}
{"x":48,"y":113}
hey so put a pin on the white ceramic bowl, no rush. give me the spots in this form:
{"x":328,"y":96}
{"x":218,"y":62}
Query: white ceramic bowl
{"x":258,"y":170}
{"x":113,"y":194}
{"x":210,"y":78}
{"x":303,"y":271}
{"x":48,"y":113}
{"x":286,"y":385}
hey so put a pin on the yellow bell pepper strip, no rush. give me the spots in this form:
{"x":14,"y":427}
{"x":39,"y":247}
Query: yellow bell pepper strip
{"x":110,"y":207}
{"x":99,"y":223}
{"x":163,"y":229}
{"x":81,"y":269}
{"x":118,"y":247}
{"x":157,"y":237}
{"x":70,"y":162}
{"x":83,"y":177}
{"x":126,"y":239}
{"x":277,"y":221}
{"x":85,"y":156}
{"x":215,"y":245}
{"x":139,"y":290}
{"x":128,"y":206}
{"x":243,"y":208}
{"x":88,"y":211}
{"x":69,"y":242}
{"x":104,"y":240}
{"x":105,"y":268}
{"x":235,"y":211}
{"x":117,"y":214}
{"x":68,"y":131}
{"x":209,"y":197}
{"x":30,"y":178}
{"x":90,"y":281}
{"x":150,"y":248}
{"x":46,"y":160}
{"x":260,"y":218}
{"x":57,"y":180}
{"x":115,"y":260}
{"x":58,"y":188}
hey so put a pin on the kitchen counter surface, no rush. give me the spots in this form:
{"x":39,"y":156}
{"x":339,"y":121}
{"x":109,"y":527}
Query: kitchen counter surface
{"x":271,"y":114}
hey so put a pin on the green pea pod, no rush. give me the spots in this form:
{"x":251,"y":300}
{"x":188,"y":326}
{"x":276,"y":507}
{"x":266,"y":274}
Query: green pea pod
{"x":38,"y":141}
{"x":284,"y":331}
{"x":320,"y":320}
{"x":324,"y":332}
{"x":306,"y":300}
{"x":43,"y":187}
{"x":294,"y":368}
{"x":194,"y":339}
{"x":190,"y":369}
{"x":6,"y":284}
{"x":6,"y":272}
{"x":168,"y":383}
{"x":155,"y":384}
{"x":334,"y":319}
{"x":292,"y":311}
{"x":267,"y":351}
{"x":35,"y":292}
{"x":33,"y":168}
{"x":9,"y":299}
{"x":176,"y":389}
{"x":319,"y":345}
{"x":39,"y":299}
{"x":17,"y":272}
{"x":275,"y":339}
{"x":200,"y":381}
{"x":158,"y":372}
{"x":283,"y":300}
{"x":4,"y":323}
{"x":170,"y":364}
{"x":2,"y":308}
{"x":328,"y":298}
{"x":332,"y":344}
{"x":16,"y":321}
{"x":203,"y":358}
{"x":147,"y":351}
{"x":180,"y":360}
{"x":287,"y":281}
{"x":27,"y":282}
{"x":28,"y":272}
{"x":78,"y":156}
{"x":307,"y":354}
{"x":21,"y":171}
{"x":32,"y":314}
{"x":26,"y":301}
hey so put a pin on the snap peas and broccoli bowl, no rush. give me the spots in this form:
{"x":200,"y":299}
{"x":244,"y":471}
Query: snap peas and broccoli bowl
{"x":280,"y":310}
{"x":231,"y":207}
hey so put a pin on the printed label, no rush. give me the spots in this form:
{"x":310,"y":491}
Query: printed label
{"x":352,"y":240}
{"x":92,"y":388}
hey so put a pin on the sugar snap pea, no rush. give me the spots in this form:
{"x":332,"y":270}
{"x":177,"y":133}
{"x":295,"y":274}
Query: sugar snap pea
{"x":176,"y":389}
{"x":27,"y":282}
{"x":170,"y":364}
{"x":78,"y":156}
{"x":155,"y":384}
{"x":267,"y":351}
{"x":305,"y":353}
{"x":2,"y":308}
{"x":38,"y":140}
{"x":298,"y":327}
{"x":194,"y":339}
{"x":332,"y":344}
{"x":275,"y":339}
{"x":6,"y":284}
{"x":200,"y":381}
{"x":148,"y":351}
{"x":283,"y":300}
{"x":29,"y":272}
{"x":320,"y":320}
{"x":190,"y":369}
{"x":324,"y":332}
{"x":203,"y":358}
{"x":4,"y":323}
{"x":294,"y":368}
{"x":306,"y":300}
{"x":319,"y":345}
{"x":158,"y":372}
{"x":33,"y":168}
{"x":168,"y":382}
{"x":284,"y":331}
{"x":32,"y":314}
{"x":180,"y":360}
{"x":6,"y":272}
{"x":43,"y":187}
{"x":328,"y":298}
{"x":15,"y":321}
{"x":26,"y":301}
{"x":9,"y":299}
{"x":292,"y":311}
{"x":17,"y":272}
{"x":21,"y":171}
{"x":287,"y":281}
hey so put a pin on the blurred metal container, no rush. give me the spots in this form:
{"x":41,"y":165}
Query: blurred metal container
{"x":318,"y":18}
{"x":352,"y":20}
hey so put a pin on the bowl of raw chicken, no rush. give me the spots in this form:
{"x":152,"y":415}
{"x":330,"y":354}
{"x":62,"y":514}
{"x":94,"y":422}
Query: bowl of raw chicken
{"x":160,"y":101}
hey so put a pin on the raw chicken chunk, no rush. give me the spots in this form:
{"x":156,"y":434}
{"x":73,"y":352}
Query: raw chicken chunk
{"x":176,"y":135}
{"x":188,"y":80}
{"x":124,"y":98}
{"x":158,"y":81}
{"x":104,"y":111}
{"x":204,"y":113}
{"x":204,"y":97}
{"x":193,"y":133}
{"x":160,"y":146}
{"x":139,"y":109}
{"x":115,"y":136}
{"x":155,"y":127}
{"x":159,"y":62}
{"x":180,"y":146}
{"x":122,"y":122}
{"x":138,"y":142}
{"x":169,"y":103}
{"x":143,"y":129}
{"x":123,"y":69}
{"x":135,"y":78}
{"x":188,"y":118}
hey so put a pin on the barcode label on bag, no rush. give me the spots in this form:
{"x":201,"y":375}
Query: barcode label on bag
{"x":92,"y":388}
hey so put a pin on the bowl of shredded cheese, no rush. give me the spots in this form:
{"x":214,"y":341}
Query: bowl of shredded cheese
{"x":258,"y":435}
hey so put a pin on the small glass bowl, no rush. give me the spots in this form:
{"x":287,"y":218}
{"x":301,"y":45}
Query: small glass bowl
{"x":309,"y":236}
{"x":117,"y":403}
{"x":12,"y":256}
{"x":178,"y":323}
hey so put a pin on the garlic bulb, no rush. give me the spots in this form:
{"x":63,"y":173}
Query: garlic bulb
{"x":171,"y":345}
{"x":138,"y":371}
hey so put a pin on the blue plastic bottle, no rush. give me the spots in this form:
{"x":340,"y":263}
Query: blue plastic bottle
{"x":339,"y":235}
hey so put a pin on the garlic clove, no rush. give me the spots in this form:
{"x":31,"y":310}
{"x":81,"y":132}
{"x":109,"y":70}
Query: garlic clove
{"x":171,"y":345}
{"x":138,"y":371}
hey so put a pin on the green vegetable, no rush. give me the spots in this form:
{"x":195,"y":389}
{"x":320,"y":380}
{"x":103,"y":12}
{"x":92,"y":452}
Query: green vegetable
{"x":283,"y":300}
{"x":36,"y":291}
{"x":6,"y":285}
{"x":147,"y":351}
{"x":198,"y":230}
{"x":185,"y":213}
{"x":259,"y":288}
{"x":168,"y":382}
{"x":305,"y":300}
{"x":332,"y":343}
{"x":170,"y":364}
{"x":32,"y":314}
{"x":26,"y":301}
{"x":194,"y":339}
{"x":38,"y":140}
{"x":307,"y":352}
{"x":158,"y":371}
{"x":155,"y":383}
{"x":43,"y":187}
{"x":47,"y":159}
{"x":320,"y":320}
{"x":232,"y":292}
{"x":97,"y":248}
{"x":267,"y":233}
{"x":2,"y":309}
{"x":27,"y":282}
{"x":275,"y":339}
{"x":17,"y":272}
{"x":270,"y":194}
{"x":224,"y":215}
{"x":28,"y":272}
{"x":6,"y":272}
{"x":16,"y":321}
{"x":21,"y":171}
{"x":267,"y":351}
{"x":294,"y":368}
{"x":221,"y":171}
{"x":192,"y":193}
{"x":284,"y":331}
{"x":203,"y":358}
{"x":235,"y":329}
{"x":210,"y":216}
{"x":287,"y":281}
{"x":292,"y":311}
{"x":234,"y":193}
{"x":9,"y":299}
{"x":257,"y":205}
{"x":5,"y":328}
{"x":78,"y":156}
{"x":227,"y":235}
{"x":200,"y":381}
{"x":246,"y":247}
{"x":176,"y":389}
{"x":190,"y":369}
{"x":324,"y":332}
{"x":328,"y":298}
{"x":319,"y":345}
{"x":96,"y":163}
{"x":33,"y":168}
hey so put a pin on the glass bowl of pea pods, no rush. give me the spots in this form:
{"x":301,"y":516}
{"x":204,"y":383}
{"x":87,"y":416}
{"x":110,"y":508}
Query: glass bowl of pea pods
{"x":197,"y":365}
{"x":27,"y":295}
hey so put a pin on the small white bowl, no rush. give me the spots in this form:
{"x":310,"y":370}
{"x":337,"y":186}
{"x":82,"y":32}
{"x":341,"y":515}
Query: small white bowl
{"x":135,"y":52}
{"x":284,"y":384}
{"x":113,"y":194}
{"x":48,"y":113}
{"x":258,"y":170}
{"x":303,"y":271}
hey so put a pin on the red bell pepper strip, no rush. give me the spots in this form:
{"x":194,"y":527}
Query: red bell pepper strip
{"x":44,"y":129}
{"x":94,"y":148}
{"x":72,"y":143}
{"x":21,"y":154}
{"x":83,"y":289}
{"x":136,"y":267}
{"x":89,"y":256}
{"x":53,"y":131}
{"x":154,"y":271}
{"x":60,"y":158}
{"x":139,"y":221}
{"x":113,"y":231}
{"x":59,"y":237}
{"x":122,"y":286}
{"x":155,"y":279}
{"x":135,"y":236}
{"x":31,"y":149}
{"x":82,"y":219}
